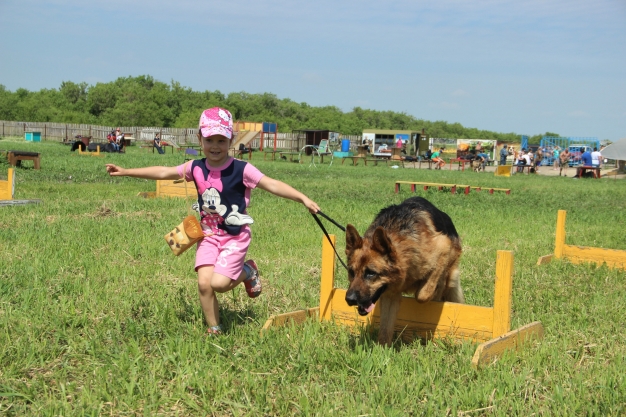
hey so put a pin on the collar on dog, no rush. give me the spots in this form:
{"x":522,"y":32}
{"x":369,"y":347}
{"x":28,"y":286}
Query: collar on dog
{"x":319,"y":223}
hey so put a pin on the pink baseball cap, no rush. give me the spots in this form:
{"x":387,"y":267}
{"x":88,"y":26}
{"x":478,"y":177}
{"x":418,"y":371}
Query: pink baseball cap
{"x":216,"y":121}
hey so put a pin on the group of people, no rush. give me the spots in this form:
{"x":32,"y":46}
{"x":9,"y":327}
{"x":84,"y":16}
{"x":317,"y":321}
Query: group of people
{"x":116,"y":140}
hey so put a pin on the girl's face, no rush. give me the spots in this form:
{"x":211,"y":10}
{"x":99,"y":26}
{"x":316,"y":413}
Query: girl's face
{"x":215,"y":149}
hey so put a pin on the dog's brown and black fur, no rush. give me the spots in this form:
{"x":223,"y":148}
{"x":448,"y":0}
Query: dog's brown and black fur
{"x":410,"y":248}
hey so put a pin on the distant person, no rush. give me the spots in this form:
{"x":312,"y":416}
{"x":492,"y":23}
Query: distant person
{"x":479,"y":147}
{"x":596,"y":158}
{"x":586,"y":158}
{"x":437,"y":158}
{"x":504,"y":153}
{"x":555,"y":155}
{"x":366,"y":145}
{"x":537,"y":160}
{"x":158,"y":144}
{"x":399,"y":144}
{"x":119,"y":139}
{"x":564,"y":161}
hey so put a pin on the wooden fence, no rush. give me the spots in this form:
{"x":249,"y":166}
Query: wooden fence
{"x":181,"y":136}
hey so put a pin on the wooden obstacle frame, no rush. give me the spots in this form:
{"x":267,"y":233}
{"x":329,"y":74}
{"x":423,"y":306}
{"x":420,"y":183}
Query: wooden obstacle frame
{"x":7,"y":188}
{"x":172,"y":188}
{"x":503,"y":171}
{"x":452,"y":187}
{"x":7,"y":191}
{"x":613,"y":258}
{"x":490,"y":326}
{"x":79,"y":151}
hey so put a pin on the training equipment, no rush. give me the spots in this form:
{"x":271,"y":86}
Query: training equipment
{"x":580,"y":254}
{"x":7,"y":191}
{"x":489,"y":325}
{"x":170,"y":188}
{"x":452,"y":187}
{"x":79,"y":150}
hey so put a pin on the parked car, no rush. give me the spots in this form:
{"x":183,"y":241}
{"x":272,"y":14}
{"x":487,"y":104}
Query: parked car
{"x":576,"y":152}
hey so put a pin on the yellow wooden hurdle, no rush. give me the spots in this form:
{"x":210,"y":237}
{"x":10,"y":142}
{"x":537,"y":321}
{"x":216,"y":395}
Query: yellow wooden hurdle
{"x":171,"y":188}
{"x":7,"y":188}
{"x":97,"y":153}
{"x":613,"y":258}
{"x":491,"y":326}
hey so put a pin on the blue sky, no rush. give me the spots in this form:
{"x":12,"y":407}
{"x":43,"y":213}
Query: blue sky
{"x":508,"y":66}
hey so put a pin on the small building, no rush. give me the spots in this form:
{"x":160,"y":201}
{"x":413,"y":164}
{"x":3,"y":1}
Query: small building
{"x":389,"y":138}
{"x":313,"y":137}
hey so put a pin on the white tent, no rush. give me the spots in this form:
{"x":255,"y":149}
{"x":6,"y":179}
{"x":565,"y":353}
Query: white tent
{"x":617,"y":151}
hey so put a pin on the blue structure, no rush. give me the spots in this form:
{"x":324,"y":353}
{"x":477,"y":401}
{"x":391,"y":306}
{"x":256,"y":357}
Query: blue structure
{"x":32,"y":136}
{"x":524,"y":142}
{"x":575,"y":145}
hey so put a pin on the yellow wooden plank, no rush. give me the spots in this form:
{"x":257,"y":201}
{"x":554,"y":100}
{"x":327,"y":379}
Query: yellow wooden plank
{"x":488,"y":351}
{"x":545,"y":259}
{"x":171,"y":188}
{"x":579,"y":254}
{"x":295,"y":317}
{"x":7,"y":188}
{"x":560,"y":234}
{"x":328,"y":277}
{"x":437,"y":318}
{"x":503,"y":293}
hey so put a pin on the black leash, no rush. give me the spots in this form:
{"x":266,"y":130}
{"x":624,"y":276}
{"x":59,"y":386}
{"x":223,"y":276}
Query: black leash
{"x":319,"y":223}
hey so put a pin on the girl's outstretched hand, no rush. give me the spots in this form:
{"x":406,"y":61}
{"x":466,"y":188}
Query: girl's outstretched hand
{"x":311,"y":205}
{"x":114,"y":170}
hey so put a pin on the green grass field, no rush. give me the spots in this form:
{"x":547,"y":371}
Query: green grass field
{"x":97,"y":317}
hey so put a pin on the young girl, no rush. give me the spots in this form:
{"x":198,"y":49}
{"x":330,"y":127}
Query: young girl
{"x":224,"y":186}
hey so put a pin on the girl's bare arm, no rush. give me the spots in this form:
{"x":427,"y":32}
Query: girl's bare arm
{"x":281,"y":189}
{"x":149,"y":173}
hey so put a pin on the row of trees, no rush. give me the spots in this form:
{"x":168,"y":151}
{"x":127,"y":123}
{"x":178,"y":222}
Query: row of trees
{"x":144,"y":101}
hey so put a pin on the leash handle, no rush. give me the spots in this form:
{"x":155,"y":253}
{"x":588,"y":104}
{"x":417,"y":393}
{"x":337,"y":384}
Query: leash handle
{"x":319,"y":223}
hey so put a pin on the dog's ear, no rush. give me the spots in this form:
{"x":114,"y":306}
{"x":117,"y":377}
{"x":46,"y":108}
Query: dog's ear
{"x":353,"y":240}
{"x":382,"y":244}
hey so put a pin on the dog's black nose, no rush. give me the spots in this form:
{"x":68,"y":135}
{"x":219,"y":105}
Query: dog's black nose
{"x":351,"y":298}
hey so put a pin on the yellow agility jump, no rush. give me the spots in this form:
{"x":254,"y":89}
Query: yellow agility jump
{"x":7,"y":188}
{"x":489,"y":325}
{"x":171,"y":188}
{"x":613,"y":258}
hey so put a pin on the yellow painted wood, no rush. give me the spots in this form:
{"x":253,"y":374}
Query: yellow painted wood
{"x":488,"y":351}
{"x":503,"y":293}
{"x":175,"y":188}
{"x":328,"y":277}
{"x":7,"y":188}
{"x":613,"y":258}
{"x":560,"y":234}
{"x":296,"y":317}
{"x":425,"y":320}
{"x":545,"y":259}
{"x":580,"y":254}
{"x":503,"y":170}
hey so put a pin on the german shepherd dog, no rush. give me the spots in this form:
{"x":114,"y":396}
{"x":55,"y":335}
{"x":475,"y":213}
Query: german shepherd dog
{"x":410,"y":248}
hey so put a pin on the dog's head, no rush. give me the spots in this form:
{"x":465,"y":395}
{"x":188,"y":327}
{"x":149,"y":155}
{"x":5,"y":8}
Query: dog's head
{"x":371,"y":264}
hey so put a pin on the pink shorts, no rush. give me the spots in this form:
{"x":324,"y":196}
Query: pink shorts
{"x":227,"y":253}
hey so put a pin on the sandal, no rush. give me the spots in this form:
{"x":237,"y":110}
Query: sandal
{"x":253,"y":282}
{"x":214,"y":331}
